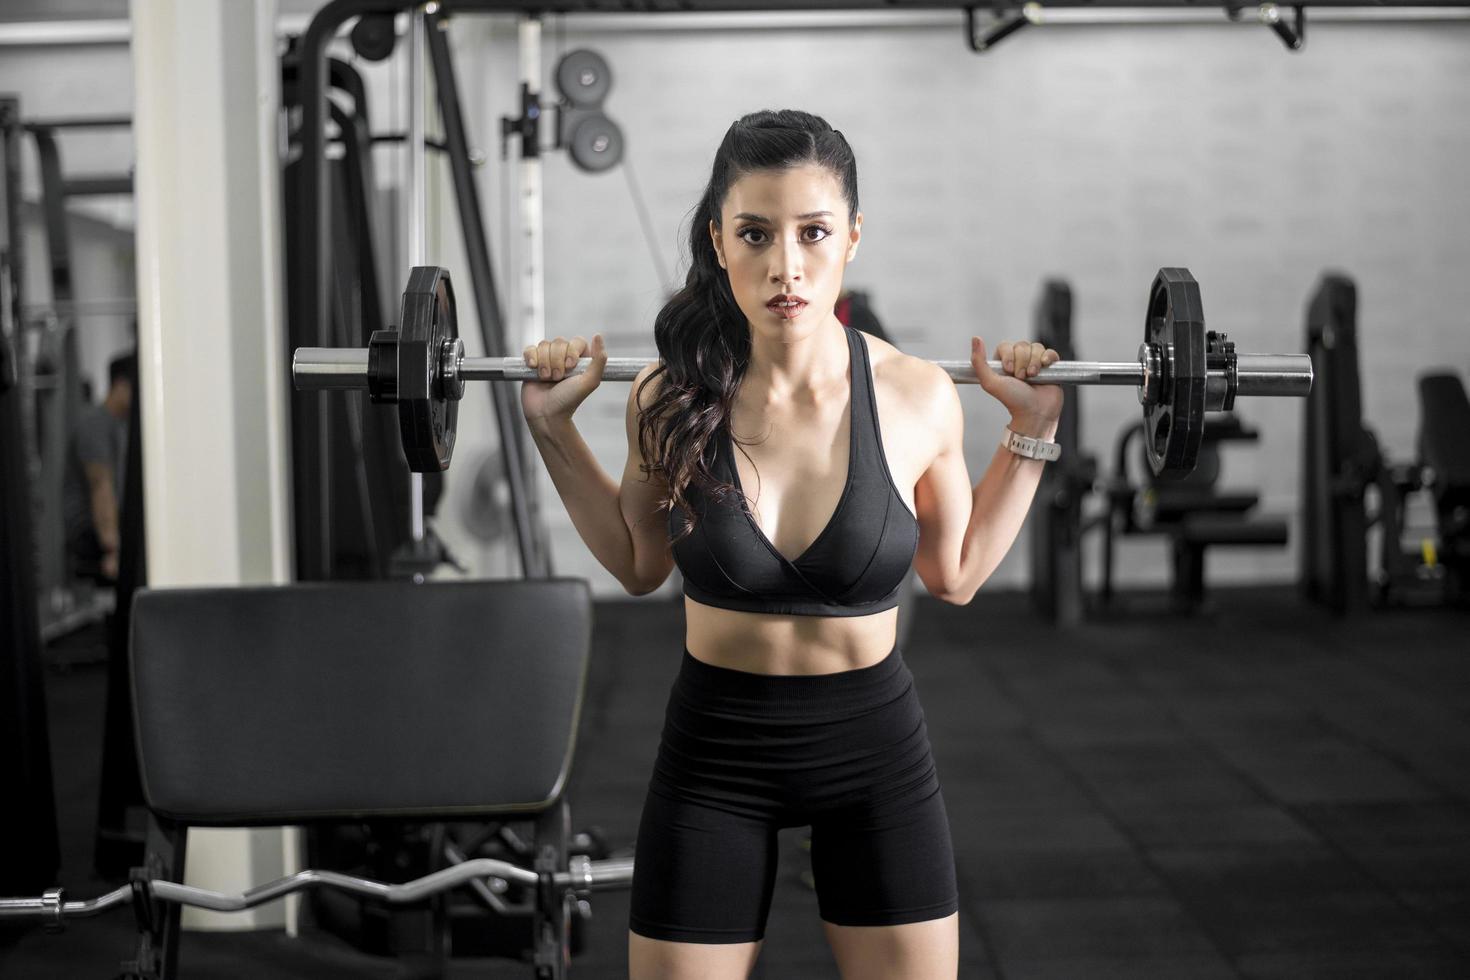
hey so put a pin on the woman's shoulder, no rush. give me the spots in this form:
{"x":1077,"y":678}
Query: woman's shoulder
{"x":646,"y":394}
{"x":910,"y":379}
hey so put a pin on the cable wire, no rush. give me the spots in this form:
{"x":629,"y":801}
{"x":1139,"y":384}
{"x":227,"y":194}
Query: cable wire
{"x":664,"y":282}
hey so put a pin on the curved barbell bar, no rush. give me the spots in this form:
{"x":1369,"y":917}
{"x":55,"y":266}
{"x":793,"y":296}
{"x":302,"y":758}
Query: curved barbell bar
{"x":582,"y":876}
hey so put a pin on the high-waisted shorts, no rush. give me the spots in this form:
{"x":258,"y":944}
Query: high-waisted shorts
{"x":745,"y":754}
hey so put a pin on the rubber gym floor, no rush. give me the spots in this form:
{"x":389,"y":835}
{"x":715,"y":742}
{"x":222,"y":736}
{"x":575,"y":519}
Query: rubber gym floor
{"x":1258,"y":791}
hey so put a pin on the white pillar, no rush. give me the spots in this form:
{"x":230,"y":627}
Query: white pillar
{"x":212,"y":352}
{"x":532,"y":292}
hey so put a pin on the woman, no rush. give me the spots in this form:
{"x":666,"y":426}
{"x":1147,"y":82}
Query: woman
{"x":792,"y":705}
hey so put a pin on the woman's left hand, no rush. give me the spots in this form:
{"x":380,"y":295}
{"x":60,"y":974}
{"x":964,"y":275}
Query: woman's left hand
{"x":1034,"y":408}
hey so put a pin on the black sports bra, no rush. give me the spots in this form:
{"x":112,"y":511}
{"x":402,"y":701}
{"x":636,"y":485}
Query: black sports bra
{"x":853,"y":568}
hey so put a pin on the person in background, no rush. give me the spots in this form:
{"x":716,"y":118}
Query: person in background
{"x":93,"y":485}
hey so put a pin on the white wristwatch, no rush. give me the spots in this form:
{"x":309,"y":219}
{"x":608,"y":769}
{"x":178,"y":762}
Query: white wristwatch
{"x":1031,"y":447}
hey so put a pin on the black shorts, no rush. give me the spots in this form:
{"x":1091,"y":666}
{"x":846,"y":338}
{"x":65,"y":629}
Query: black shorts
{"x":745,"y":754}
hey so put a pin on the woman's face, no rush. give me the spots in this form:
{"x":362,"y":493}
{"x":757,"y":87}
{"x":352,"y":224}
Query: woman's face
{"x":785,"y":233}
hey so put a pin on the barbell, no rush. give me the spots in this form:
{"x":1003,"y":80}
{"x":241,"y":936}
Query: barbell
{"x":582,"y":877}
{"x":1181,"y":372}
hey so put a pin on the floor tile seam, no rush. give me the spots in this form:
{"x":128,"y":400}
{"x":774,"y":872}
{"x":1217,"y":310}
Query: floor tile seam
{"x":1155,"y":890}
{"x":1399,"y":688}
{"x":1406,"y":686}
{"x":970,"y":903}
{"x":1197,"y":943}
{"x":1394,"y":758}
{"x":1417,"y":915}
{"x":1460,"y":834}
{"x":1329,"y":710}
{"x":1127,"y":834}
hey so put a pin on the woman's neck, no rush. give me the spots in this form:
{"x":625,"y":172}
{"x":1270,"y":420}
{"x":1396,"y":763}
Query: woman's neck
{"x":785,"y":369}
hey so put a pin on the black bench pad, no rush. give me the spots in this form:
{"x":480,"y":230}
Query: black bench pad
{"x":260,"y":706}
{"x":1219,"y":529}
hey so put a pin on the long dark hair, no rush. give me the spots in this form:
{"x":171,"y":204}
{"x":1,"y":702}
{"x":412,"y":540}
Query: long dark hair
{"x":702,"y":335}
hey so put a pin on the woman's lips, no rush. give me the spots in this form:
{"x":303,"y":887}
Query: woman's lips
{"x":787,"y":309}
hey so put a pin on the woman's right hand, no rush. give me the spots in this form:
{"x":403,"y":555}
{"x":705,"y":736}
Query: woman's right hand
{"x":554,"y":395}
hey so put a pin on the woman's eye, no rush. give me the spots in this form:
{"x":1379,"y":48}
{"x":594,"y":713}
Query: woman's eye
{"x":806,"y":232}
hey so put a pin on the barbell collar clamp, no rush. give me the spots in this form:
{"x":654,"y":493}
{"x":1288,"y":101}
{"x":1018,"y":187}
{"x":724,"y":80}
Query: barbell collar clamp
{"x":451,"y":374}
{"x":51,"y":902}
{"x":49,"y":908}
{"x":1151,"y":374}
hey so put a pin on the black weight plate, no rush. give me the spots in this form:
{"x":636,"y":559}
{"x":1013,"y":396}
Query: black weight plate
{"x":583,"y":78}
{"x":597,"y":143}
{"x":425,"y":417}
{"x":1175,"y":323}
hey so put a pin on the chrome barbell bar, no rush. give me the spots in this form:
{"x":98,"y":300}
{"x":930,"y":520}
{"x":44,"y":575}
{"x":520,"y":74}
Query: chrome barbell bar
{"x":327,"y":368}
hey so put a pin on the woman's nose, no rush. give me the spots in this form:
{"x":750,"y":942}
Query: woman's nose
{"x":786,"y":263}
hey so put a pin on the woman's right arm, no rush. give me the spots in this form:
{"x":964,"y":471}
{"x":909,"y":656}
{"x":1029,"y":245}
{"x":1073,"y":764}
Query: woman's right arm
{"x":621,"y":523}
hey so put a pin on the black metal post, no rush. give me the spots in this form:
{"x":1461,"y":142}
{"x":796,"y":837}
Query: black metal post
{"x":29,"y":814}
{"x":310,"y":307}
{"x":1056,"y":517}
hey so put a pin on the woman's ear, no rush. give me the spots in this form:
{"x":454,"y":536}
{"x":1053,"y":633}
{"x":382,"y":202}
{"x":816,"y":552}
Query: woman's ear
{"x":714,"y":236}
{"x":854,"y":236}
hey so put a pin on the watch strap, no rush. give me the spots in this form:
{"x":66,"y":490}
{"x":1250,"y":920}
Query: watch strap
{"x":1031,"y":447}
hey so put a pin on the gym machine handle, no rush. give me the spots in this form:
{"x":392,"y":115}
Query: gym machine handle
{"x":583,"y":876}
{"x":1284,"y":375}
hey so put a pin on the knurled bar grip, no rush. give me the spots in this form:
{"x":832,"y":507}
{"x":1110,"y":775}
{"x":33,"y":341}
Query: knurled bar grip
{"x":582,"y":876}
{"x":1284,"y":375}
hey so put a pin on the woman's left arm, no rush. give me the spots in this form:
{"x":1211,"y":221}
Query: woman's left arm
{"x":965,"y":531}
